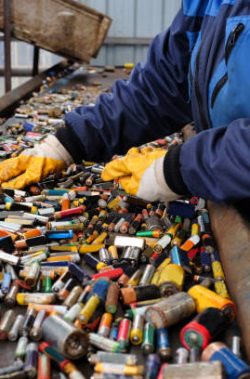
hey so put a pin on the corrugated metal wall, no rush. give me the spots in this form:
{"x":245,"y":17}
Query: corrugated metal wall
{"x":131,"y":19}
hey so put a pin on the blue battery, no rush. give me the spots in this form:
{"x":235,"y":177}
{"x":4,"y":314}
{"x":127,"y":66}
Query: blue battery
{"x":6,"y":282}
{"x":55,"y":192}
{"x":235,"y":367}
{"x":58,"y":235}
{"x":178,"y":256}
{"x":163,"y":344}
{"x":78,"y":272}
{"x":114,"y":331}
{"x":152,"y":366}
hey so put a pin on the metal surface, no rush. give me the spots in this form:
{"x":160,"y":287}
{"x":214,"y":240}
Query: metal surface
{"x":7,"y":44}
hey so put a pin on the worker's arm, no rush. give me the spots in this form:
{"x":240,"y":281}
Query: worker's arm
{"x":154,"y":102}
{"x":215,"y":164}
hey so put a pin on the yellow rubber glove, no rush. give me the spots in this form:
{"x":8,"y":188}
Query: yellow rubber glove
{"x":34,"y":164}
{"x":140,"y":173}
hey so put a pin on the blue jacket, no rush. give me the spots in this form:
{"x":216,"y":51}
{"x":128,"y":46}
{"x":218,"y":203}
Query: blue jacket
{"x":197,"y":70}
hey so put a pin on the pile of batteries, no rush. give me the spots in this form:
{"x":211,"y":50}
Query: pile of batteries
{"x":99,"y":269}
{"x":105,"y":276}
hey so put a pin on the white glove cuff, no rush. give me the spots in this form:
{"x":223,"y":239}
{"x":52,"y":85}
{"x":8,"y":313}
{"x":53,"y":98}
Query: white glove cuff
{"x":54,"y":143}
{"x":153,"y":186}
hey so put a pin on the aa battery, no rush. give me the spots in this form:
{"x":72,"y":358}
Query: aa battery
{"x":36,"y":329}
{"x":6,"y":282}
{"x":148,"y":344}
{"x":31,"y":360}
{"x":163,"y":344}
{"x":135,"y":278}
{"x":152,"y":366}
{"x":126,"y":359}
{"x":28,"y":321}
{"x":72,"y":296}
{"x":21,"y":347}
{"x":72,"y":314}
{"x":88,"y":309}
{"x":181,"y":355}
{"x":44,"y":367}
{"x":25,"y":298}
{"x":133,"y":294}
{"x":123,"y":334}
{"x":59,"y":284}
{"x":6,"y":323}
{"x":104,"y":343}
{"x":32,"y":274}
{"x":104,"y":256}
{"x":136,"y":334}
{"x":147,"y":275}
{"x":16,"y":328}
{"x":105,"y":325}
{"x":70,"y":341}
{"x":112,"y":298}
{"x":234,"y":367}
{"x":170,"y":310}
{"x":198,"y":370}
{"x":10,"y":298}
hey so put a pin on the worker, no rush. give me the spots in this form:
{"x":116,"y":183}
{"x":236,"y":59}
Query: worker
{"x":196,"y":71}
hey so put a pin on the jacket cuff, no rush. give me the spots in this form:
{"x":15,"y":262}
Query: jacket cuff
{"x":71,"y":144}
{"x":172,"y":172}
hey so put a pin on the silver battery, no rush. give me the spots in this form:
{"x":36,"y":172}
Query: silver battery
{"x":70,"y":341}
{"x":16,"y":328}
{"x":147,"y":275}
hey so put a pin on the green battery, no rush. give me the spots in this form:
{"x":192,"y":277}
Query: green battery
{"x":149,"y":233}
{"x":148,"y":344}
{"x":47,"y":284}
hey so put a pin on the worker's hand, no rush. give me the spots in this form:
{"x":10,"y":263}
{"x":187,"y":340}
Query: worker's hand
{"x":34,"y":164}
{"x":140,"y":173}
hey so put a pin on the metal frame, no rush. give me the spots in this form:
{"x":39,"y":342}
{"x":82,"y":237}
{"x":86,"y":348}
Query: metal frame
{"x":7,"y":47}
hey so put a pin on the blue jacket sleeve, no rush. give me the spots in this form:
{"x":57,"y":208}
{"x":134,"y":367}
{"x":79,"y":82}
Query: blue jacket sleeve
{"x":215,"y":164}
{"x":154,"y":102}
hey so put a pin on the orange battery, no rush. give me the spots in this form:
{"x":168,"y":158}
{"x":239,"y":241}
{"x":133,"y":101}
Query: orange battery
{"x":4,"y":233}
{"x":31,"y":233}
{"x":65,"y":204}
{"x":190,"y":243}
{"x":105,"y":324}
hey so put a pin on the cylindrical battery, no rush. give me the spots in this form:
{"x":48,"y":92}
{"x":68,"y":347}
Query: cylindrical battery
{"x":72,"y":314}
{"x":171,"y":310}
{"x":112,"y":298}
{"x":203,"y":328}
{"x":21,"y":347}
{"x":148,"y":344}
{"x":36,"y":330}
{"x":31,"y":360}
{"x":104,"y":255}
{"x":104,"y":343}
{"x":163,"y":344}
{"x":28,"y":321}
{"x":152,"y":366}
{"x":105,"y":325}
{"x":181,"y":356}
{"x":147,"y":275}
{"x":136,"y":334}
{"x":6,"y":323}
{"x":71,"y":342}
{"x":133,"y":294}
{"x":16,"y":327}
{"x":10,"y":298}
{"x":44,"y":367}
{"x":124,"y":333}
{"x":72,"y":297}
{"x":235,"y":368}
{"x":32,"y":274}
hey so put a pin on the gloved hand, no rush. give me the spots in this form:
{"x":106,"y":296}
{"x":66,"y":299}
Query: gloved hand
{"x":34,"y":164}
{"x":140,"y":173}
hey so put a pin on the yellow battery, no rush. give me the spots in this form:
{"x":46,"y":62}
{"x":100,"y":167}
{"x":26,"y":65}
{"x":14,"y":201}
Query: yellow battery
{"x":221,"y":289}
{"x":217,"y":270}
{"x":61,"y":258}
{"x":166,"y":262}
{"x":136,"y":334}
{"x":37,"y":298}
{"x":173,"y":229}
{"x":114,"y":203}
{"x":205,"y":298}
{"x":93,"y":236}
{"x":100,"y":238}
{"x":172,"y":273}
{"x":155,"y":278}
{"x":195,"y":229}
{"x":88,"y":309}
{"x":72,"y":249}
{"x":113,"y":252}
{"x":84,"y":249}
